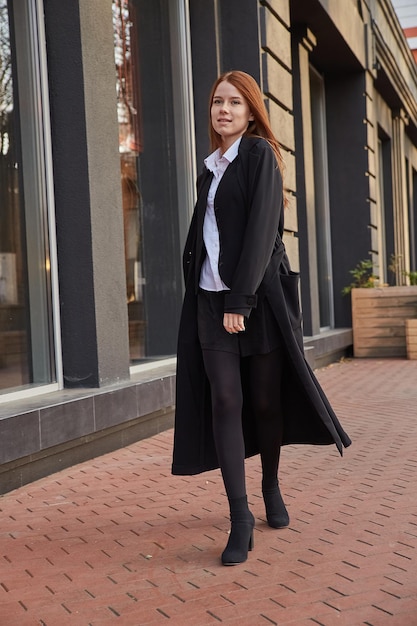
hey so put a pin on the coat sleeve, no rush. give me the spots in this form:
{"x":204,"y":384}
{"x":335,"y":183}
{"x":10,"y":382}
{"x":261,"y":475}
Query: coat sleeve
{"x":188,"y":255}
{"x":265,"y":200}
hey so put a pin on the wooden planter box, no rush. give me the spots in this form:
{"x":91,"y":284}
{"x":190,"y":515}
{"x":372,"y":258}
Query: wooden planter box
{"x":378,"y":320}
{"x":411,"y":338}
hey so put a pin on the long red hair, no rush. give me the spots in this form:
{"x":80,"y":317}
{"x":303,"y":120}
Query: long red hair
{"x":260,"y":126}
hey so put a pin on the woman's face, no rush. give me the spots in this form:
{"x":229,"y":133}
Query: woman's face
{"x":230,"y":113}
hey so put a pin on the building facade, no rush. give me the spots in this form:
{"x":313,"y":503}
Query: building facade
{"x":103,"y":127}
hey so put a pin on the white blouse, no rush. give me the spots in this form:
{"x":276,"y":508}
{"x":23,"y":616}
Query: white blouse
{"x":217,"y":163}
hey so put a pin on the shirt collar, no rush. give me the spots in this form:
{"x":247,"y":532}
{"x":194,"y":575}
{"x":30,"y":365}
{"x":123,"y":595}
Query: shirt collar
{"x":231,"y":153}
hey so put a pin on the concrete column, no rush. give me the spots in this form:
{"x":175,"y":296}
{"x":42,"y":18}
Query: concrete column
{"x":204,"y":15}
{"x":239,"y":36}
{"x":88,"y":197}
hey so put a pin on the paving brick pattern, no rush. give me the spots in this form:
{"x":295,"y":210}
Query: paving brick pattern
{"x":118,"y":540}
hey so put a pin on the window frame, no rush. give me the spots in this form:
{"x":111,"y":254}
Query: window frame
{"x":44,"y":170}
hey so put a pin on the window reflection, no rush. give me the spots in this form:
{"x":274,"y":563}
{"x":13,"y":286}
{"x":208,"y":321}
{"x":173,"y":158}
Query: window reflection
{"x":130,"y":146}
{"x":25,"y":338}
{"x":13,"y":336}
{"x":144,"y":77}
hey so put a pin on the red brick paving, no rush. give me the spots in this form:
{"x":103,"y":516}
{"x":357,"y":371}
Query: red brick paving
{"x":118,"y":540}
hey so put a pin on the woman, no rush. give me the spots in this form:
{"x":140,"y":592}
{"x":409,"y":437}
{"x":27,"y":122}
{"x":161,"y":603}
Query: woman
{"x":243,"y":385}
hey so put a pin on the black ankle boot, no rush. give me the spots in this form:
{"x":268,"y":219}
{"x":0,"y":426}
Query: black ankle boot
{"x":276,"y":513}
{"x":241,"y":533}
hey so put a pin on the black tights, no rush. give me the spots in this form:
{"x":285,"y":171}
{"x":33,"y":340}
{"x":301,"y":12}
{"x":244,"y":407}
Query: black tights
{"x":265,"y":371}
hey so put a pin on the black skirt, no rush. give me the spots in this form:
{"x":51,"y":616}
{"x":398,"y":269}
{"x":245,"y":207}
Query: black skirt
{"x":261,"y":334}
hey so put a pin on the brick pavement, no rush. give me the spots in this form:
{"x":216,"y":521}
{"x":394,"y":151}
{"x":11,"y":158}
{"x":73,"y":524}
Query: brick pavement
{"x":118,"y":540}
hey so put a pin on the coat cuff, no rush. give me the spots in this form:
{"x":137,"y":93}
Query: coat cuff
{"x":239,"y":303}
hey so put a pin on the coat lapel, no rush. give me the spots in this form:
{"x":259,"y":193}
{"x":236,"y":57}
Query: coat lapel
{"x":207,"y":177}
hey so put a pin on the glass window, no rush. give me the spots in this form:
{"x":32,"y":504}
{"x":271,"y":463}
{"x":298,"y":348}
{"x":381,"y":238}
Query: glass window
{"x":382,"y":253}
{"x":413,"y":220}
{"x":411,"y":179}
{"x":157,"y":170}
{"x":385,"y":209}
{"x":322,"y":203}
{"x":26,"y":346}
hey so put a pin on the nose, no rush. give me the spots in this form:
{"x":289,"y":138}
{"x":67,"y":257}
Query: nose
{"x":224,"y":107}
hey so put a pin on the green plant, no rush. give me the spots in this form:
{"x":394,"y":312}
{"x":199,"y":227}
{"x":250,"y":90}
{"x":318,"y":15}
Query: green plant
{"x":394,"y":267}
{"x":394,"y":263}
{"x":363,"y":276}
{"x":412,"y":276}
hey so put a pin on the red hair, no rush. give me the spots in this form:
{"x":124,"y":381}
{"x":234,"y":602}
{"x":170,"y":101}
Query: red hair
{"x":260,"y":126}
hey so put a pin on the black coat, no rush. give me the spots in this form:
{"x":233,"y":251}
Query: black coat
{"x":252,"y":261}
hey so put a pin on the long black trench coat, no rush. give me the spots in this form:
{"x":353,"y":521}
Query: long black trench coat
{"x":253,"y":262}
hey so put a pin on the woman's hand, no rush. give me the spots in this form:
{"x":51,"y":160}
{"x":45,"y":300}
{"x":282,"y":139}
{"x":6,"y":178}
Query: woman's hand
{"x":233,"y":322}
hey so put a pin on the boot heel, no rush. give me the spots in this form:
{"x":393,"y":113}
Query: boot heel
{"x":241,"y":533}
{"x":240,"y":542}
{"x":276,"y":512}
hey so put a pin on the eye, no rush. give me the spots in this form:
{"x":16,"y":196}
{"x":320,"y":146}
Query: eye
{"x":235,"y":101}
{"x":217,"y":101}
